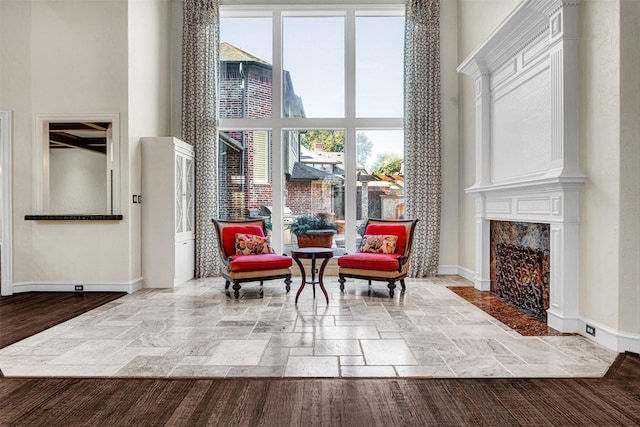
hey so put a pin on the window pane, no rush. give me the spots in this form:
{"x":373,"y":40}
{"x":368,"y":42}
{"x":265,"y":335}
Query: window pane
{"x":243,"y":190}
{"x":380,"y":176}
{"x":379,"y":62}
{"x":245,"y":68}
{"x":313,"y":59}
{"x":314,"y":187}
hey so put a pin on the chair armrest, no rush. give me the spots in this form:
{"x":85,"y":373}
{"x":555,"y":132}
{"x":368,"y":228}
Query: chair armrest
{"x":402,"y":260}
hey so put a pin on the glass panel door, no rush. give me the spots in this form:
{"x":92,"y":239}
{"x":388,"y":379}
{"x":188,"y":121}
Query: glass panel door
{"x":179,"y":194}
{"x":190,"y":199}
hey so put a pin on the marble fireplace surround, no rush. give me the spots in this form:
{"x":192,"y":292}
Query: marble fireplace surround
{"x":526,"y":147}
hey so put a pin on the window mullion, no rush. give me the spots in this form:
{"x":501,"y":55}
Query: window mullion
{"x":350,"y":132}
{"x":350,"y":64}
{"x":277,"y":187}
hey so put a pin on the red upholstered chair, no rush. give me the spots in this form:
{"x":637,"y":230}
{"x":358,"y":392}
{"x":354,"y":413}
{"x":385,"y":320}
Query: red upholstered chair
{"x":252,"y":267}
{"x":387,"y":267}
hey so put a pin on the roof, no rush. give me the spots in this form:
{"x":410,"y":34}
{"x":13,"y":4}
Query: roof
{"x":292,"y":103}
{"x":302,"y":172}
{"x":236,"y":145}
{"x":308,"y":156}
{"x":230,"y":53}
{"x":339,"y":157}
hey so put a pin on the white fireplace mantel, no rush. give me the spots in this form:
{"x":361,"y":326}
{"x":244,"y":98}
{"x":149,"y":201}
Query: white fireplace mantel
{"x":526,"y":89}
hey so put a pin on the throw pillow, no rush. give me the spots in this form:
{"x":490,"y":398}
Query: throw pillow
{"x":379,"y":244}
{"x":251,"y":244}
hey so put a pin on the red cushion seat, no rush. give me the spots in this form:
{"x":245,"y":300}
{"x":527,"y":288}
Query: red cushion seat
{"x":240,"y":263}
{"x":370,"y":261}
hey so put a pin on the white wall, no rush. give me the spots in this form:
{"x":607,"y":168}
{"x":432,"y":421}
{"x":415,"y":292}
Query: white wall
{"x":630,"y":167}
{"x":599,"y":137}
{"x":149,"y":98}
{"x":610,"y":157}
{"x":449,"y":84}
{"x":63,"y":57}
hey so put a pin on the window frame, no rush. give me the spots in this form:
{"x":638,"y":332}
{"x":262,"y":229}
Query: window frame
{"x":278,"y":124}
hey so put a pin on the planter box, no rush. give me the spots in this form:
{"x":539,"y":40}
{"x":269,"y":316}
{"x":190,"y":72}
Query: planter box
{"x":316,"y":239}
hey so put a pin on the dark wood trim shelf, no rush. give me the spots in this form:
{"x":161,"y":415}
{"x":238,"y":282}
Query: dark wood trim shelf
{"x":50,"y":217}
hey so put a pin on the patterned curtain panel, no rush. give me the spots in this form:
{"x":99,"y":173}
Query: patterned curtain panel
{"x":422,"y":132}
{"x":200,"y":40}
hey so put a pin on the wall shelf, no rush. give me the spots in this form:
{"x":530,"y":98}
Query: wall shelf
{"x":67,"y":217}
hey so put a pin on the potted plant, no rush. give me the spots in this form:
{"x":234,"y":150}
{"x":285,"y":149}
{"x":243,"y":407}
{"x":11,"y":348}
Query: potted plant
{"x":313,"y":232}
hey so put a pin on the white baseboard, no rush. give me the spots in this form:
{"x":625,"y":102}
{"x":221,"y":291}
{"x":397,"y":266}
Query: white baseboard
{"x":481,"y":285}
{"x":604,"y":335}
{"x":608,"y":337}
{"x":447,"y":270}
{"x":128,"y":287}
{"x":456,"y":270}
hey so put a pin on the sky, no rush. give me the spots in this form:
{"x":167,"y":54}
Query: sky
{"x":313,"y":53}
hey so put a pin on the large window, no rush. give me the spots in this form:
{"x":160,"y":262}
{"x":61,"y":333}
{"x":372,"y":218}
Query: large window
{"x":311,"y":117}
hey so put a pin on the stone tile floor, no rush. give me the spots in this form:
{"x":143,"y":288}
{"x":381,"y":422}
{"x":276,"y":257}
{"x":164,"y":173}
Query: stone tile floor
{"x":197,"y":330}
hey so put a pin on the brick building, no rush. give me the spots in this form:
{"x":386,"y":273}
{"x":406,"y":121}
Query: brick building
{"x":245,"y":175}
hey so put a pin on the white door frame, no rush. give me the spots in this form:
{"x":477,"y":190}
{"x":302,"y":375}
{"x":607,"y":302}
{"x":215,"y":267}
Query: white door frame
{"x":6,"y":285}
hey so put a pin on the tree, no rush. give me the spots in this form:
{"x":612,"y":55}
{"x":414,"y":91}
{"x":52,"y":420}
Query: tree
{"x":332,"y":140}
{"x":388,"y":164}
{"x":363,"y":148}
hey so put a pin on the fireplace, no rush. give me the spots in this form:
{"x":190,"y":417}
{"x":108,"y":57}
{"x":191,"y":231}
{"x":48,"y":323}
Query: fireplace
{"x":520,"y":265}
{"x":526,"y":151}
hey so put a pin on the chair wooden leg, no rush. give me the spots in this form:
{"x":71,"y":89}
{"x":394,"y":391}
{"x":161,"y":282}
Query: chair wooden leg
{"x":226,"y":284}
{"x":402,"y":284}
{"x":287,"y":282}
{"x":391,"y":286}
{"x":236,"y":289}
{"x":341,"y":279}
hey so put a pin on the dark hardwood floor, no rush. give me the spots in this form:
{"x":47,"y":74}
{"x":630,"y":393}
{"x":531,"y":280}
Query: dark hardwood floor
{"x":611,"y":400}
{"x":26,"y":314}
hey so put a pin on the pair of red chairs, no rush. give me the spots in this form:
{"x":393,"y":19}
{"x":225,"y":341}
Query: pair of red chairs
{"x":383,"y":255}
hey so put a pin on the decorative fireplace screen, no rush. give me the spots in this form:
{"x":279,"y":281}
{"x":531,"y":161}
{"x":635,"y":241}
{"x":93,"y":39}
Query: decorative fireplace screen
{"x":522,"y":277}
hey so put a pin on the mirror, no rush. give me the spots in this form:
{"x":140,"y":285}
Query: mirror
{"x":76,"y":164}
{"x":78,"y":169}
